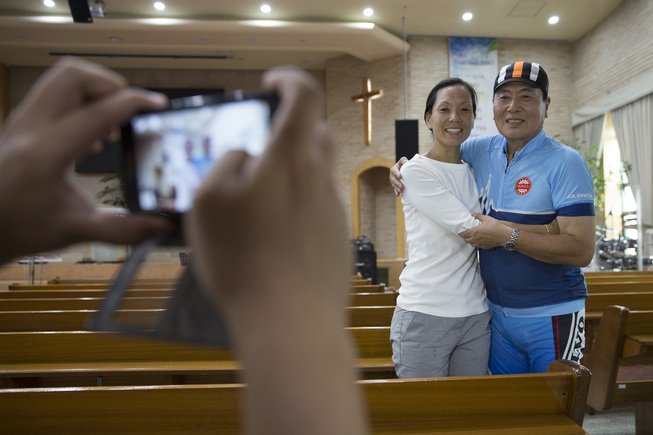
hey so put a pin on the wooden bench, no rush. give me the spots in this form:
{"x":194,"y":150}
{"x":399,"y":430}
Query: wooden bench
{"x":596,"y":304}
{"x":74,"y":358}
{"x":371,"y":288}
{"x":544,"y":403}
{"x":621,"y":286}
{"x":166,"y":282}
{"x":373,"y":299}
{"x":619,"y":275}
{"x":621,"y":362}
{"x":58,"y":294}
{"x":77,"y":320}
{"x":49,"y":304}
{"x":360,"y":281}
{"x":85,"y":301}
{"x":20,"y":287}
{"x":359,"y":286}
{"x":71,"y":320}
{"x":617,"y":279}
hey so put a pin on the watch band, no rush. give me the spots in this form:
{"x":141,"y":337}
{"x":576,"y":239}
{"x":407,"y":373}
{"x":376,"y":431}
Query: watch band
{"x":511,"y":244}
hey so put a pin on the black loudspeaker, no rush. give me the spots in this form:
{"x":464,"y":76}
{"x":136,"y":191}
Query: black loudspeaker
{"x":364,"y":258}
{"x":406,"y":138}
{"x":107,"y":161}
{"x":80,"y":11}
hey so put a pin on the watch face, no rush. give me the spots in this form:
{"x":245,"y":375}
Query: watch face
{"x":511,"y":246}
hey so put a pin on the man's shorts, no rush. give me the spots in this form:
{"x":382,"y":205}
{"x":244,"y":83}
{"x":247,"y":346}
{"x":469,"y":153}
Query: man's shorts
{"x":530,"y":344}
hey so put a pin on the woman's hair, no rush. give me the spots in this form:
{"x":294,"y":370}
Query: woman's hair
{"x":451,"y":81}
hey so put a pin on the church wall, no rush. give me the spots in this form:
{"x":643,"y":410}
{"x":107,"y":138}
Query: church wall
{"x":616,"y":53}
{"x":344,"y":79}
{"x":580,"y":72}
{"x":428,"y":61}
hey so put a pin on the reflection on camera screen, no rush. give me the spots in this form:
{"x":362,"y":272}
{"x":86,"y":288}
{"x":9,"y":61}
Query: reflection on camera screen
{"x":176,"y":149}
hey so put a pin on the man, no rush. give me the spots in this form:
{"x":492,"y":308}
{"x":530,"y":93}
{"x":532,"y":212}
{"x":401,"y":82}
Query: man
{"x":535,"y":287}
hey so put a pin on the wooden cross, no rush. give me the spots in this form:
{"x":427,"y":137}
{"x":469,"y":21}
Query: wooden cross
{"x":366,"y":98}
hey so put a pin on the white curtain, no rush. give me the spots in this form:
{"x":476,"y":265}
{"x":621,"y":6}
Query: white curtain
{"x":633,"y":125}
{"x":588,"y":137}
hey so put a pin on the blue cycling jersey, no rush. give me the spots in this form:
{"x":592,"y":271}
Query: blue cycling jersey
{"x":545,"y":179}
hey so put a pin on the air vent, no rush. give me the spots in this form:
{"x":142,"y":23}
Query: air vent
{"x":219,"y":55}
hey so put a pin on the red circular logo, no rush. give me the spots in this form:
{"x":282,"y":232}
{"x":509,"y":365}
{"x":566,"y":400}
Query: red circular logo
{"x":523,"y":186}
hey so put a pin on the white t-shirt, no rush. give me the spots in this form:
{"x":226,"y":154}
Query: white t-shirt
{"x":442,"y":276}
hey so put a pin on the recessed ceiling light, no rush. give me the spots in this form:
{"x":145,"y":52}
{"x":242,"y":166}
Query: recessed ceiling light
{"x":49,"y":3}
{"x":554,"y":19}
{"x":467,"y":16}
{"x":266,"y":9}
{"x":368,"y":12}
{"x":159,"y":6}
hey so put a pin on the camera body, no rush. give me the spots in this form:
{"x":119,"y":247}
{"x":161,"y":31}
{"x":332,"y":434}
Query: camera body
{"x":168,"y":153}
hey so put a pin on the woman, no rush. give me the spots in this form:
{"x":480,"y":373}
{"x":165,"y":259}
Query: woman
{"x":441,"y":324}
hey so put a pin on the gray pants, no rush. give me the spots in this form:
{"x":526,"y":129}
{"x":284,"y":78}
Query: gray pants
{"x":426,"y":346}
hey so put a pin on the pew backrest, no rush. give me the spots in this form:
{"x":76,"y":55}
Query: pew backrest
{"x":85,"y":293}
{"x":49,"y":304}
{"x":619,"y":339}
{"x":598,"y":302}
{"x":91,"y":346}
{"x":617,"y":287}
{"x":148,"y":318}
{"x":537,"y":403}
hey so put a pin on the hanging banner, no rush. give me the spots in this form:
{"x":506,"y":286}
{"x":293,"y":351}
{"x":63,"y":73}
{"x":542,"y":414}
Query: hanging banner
{"x":475,"y":60}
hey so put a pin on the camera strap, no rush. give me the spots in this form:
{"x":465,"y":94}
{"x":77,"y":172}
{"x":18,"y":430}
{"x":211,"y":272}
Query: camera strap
{"x":189,"y":316}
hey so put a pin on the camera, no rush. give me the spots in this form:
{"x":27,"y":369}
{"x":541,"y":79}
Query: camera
{"x":167,"y":153}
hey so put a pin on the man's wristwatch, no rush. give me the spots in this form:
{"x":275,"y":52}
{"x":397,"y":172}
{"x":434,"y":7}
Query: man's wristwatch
{"x":511,"y":244}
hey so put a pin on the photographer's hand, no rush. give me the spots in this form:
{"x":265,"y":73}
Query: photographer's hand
{"x":62,"y":118}
{"x":270,"y":243}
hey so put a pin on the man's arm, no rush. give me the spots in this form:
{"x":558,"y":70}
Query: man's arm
{"x":575,"y":245}
{"x":546,"y":229}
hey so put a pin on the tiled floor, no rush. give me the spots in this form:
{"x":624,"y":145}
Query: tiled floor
{"x":618,"y":420}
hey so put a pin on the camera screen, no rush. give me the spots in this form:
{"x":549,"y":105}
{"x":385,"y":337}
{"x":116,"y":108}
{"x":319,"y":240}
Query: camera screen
{"x":174,"y":150}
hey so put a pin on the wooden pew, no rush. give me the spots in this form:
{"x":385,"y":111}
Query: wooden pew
{"x":87,"y":286}
{"x":73,"y":358}
{"x":544,"y":403}
{"x":360,"y":281}
{"x":373,"y":299}
{"x":371,"y":288}
{"x":58,"y":294}
{"x":142,"y":284}
{"x":621,"y":362}
{"x":616,"y":287}
{"x":49,"y":304}
{"x":77,"y":320}
{"x":89,"y":302}
{"x":71,"y":320}
{"x":619,"y":275}
{"x":596,"y":304}
{"x":370,"y":316}
{"x":166,"y":282}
